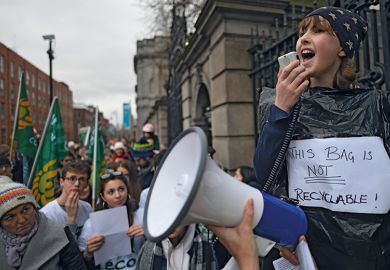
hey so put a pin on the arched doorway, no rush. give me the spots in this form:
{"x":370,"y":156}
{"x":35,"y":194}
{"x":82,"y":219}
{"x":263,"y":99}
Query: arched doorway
{"x":202,"y":117}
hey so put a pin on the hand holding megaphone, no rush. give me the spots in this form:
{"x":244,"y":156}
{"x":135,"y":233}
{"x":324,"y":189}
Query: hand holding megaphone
{"x":239,"y":241}
{"x":189,"y":188}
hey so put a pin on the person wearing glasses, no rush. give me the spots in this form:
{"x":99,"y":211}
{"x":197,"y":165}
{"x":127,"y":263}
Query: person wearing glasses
{"x":114,"y":192}
{"x":68,"y":209}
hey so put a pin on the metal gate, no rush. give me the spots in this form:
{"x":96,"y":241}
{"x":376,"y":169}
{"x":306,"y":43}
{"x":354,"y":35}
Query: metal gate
{"x":372,"y":61}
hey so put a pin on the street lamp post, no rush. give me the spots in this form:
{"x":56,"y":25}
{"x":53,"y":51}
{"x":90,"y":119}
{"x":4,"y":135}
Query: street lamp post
{"x":50,"y":52}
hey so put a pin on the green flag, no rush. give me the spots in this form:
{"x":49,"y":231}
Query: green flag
{"x":52,"y":149}
{"x":84,"y":133}
{"x":23,"y":130}
{"x":96,"y":155}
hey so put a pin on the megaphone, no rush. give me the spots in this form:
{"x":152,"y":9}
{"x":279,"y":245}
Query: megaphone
{"x":189,"y":187}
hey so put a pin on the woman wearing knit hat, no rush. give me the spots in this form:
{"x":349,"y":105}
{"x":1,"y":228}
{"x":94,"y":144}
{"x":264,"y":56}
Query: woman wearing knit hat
{"x":28,"y":240}
{"x":334,"y":124}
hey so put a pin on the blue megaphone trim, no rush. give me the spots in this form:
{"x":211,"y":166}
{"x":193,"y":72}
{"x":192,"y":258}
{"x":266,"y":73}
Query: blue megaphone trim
{"x":281,"y":222}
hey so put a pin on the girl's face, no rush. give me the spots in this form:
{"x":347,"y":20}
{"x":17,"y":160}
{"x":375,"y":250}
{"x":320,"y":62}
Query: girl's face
{"x":123,"y":170}
{"x":119,"y":152}
{"x":84,"y":193}
{"x":319,"y":51}
{"x":115,"y":193}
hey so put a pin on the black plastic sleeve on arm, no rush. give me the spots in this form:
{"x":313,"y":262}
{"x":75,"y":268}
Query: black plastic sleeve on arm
{"x":70,"y":256}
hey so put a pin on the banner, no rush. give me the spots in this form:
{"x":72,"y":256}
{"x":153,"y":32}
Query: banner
{"x":126,"y":116}
{"x":84,"y":133}
{"x":52,"y":149}
{"x":96,"y":155}
{"x":23,"y":130}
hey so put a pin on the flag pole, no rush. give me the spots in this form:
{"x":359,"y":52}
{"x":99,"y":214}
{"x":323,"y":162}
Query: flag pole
{"x":94,"y":158}
{"x":15,"y":117}
{"x":41,"y":141}
{"x":87,"y":137}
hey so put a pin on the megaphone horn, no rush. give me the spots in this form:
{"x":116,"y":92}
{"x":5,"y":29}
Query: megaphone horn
{"x":189,"y":187}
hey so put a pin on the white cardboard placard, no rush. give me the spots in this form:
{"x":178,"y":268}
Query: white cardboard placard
{"x":341,"y":174}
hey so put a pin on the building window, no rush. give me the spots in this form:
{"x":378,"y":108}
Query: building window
{"x":33,"y":97}
{"x":2,"y":88}
{"x":3,"y":135}
{"x":33,"y":80}
{"x":2,"y":64}
{"x":20,"y":70}
{"x":12,"y":91}
{"x":27,"y":77}
{"x":2,"y":110}
{"x":12,"y":69}
{"x":12,"y":112}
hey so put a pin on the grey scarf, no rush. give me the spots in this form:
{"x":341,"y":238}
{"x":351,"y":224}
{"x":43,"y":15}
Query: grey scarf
{"x":15,"y":245}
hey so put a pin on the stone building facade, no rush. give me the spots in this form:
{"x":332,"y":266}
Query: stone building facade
{"x":151,"y":67}
{"x":209,"y":83}
{"x":216,"y":90}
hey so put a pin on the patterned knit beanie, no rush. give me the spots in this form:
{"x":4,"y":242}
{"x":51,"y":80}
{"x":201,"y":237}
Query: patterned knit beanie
{"x":142,"y":150}
{"x":14,"y":194}
{"x":5,"y":179}
{"x":349,"y":27}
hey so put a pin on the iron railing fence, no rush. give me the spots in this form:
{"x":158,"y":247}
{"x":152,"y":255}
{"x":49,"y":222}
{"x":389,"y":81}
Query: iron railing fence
{"x":372,"y":61}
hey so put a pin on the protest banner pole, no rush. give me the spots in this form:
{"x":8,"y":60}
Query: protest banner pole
{"x":41,"y":142}
{"x":87,"y":136}
{"x":15,"y":118}
{"x":94,"y":158}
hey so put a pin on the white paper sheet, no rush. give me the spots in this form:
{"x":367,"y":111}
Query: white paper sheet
{"x":113,"y":224}
{"x":340,"y":174}
{"x":304,"y":256}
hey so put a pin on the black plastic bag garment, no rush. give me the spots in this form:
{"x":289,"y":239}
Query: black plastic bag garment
{"x":340,"y":240}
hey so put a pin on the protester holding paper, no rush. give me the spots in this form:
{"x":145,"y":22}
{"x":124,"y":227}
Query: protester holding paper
{"x":114,"y":193}
{"x":337,"y":162}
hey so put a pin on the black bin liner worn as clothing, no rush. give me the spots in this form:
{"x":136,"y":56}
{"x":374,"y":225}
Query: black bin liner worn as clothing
{"x":338,"y":240}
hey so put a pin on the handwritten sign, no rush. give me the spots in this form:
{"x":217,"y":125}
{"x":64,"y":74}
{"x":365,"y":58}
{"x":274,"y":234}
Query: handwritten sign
{"x":121,"y":263}
{"x":340,"y":174}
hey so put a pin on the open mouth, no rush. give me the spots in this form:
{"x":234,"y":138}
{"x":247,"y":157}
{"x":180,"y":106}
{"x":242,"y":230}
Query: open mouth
{"x":307,"y":54}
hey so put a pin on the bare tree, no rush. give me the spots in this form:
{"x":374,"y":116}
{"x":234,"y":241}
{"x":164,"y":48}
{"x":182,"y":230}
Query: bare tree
{"x":161,"y":13}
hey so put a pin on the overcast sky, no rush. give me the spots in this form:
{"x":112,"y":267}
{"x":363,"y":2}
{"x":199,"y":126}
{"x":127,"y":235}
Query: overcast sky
{"x":94,"y":48}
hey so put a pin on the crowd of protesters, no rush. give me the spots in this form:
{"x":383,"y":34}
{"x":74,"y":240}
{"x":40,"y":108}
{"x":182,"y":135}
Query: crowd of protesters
{"x":70,"y":241}
{"x":322,"y":86}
